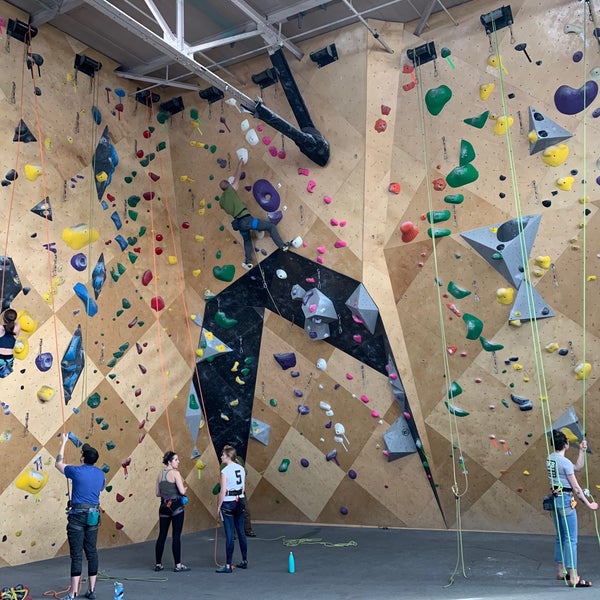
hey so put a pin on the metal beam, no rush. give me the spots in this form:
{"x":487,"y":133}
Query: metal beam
{"x":157,"y":81}
{"x":269,"y":33}
{"x":283,"y":14}
{"x":47,"y":14}
{"x":425,"y":16}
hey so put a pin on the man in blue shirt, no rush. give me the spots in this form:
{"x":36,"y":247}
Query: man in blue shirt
{"x":83,"y":514}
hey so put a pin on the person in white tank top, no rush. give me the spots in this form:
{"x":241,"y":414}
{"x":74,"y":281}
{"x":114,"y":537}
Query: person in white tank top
{"x":230,"y":507}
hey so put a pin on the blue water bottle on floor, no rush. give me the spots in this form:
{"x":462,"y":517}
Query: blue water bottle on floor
{"x":119,"y":591}
{"x":291,"y":563}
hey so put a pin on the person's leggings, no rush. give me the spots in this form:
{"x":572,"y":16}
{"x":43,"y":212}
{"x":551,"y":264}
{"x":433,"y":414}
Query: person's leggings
{"x":164,"y":523}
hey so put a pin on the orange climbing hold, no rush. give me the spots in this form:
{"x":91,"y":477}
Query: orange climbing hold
{"x":394,"y":188}
{"x":409,"y":231}
{"x":439,"y":185}
{"x":380,"y":125}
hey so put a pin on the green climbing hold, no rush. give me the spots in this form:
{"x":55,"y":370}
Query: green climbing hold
{"x":454,"y":390}
{"x":224,"y":273}
{"x":245,"y":372}
{"x":434,"y":232}
{"x":474,"y":326}
{"x":248,"y":360}
{"x":110,"y":445}
{"x":162,"y":117}
{"x":131,"y":240}
{"x":193,"y":403}
{"x":99,"y":420}
{"x":104,"y":426}
{"x":283,"y":467}
{"x":125,"y":303}
{"x":454,"y":199}
{"x":144,"y":162}
{"x":216,"y":490}
{"x":438,"y":216}
{"x":457,"y":291}
{"x":478,"y":121}
{"x":222,"y":228}
{"x":437,"y":98}
{"x":467,"y":153}
{"x":454,"y":410}
{"x":194,"y":114}
{"x":110,"y":364}
{"x":128,"y":179}
{"x":222,"y":320}
{"x":121,"y":268}
{"x":218,"y":255}
{"x":134,"y":173}
{"x":497,"y":256}
{"x":114,"y":275}
{"x":133,"y":201}
{"x":119,"y":312}
{"x":504,"y":403}
{"x":489,"y":346}
{"x":213,"y":149}
{"x":161,"y":146}
{"x":273,"y":402}
{"x":105,"y":468}
{"x":132,"y":257}
{"x":132,"y":214}
{"x":142,"y":231}
{"x":151,"y":156}
{"x":462,"y":175}
{"x":94,"y":400}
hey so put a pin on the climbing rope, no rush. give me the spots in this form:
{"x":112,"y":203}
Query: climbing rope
{"x":453,"y":426}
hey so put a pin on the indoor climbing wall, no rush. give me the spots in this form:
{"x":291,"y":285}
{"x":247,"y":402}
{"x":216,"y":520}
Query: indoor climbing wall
{"x":142,"y":332}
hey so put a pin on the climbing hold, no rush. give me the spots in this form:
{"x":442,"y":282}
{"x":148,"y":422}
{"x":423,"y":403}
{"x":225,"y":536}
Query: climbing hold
{"x":286,"y":360}
{"x":304,"y":462}
{"x":565,"y":183}
{"x":457,"y":291}
{"x":462,"y":175}
{"x":467,"y":153}
{"x":503,"y":124}
{"x":485,"y":91}
{"x":409,"y":231}
{"x":434,"y":232}
{"x":552,"y":347}
{"x":543,"y":261}
{"x":505,"y":295}
{"x":147,"y":277}
{"x":32,"y":172}
{"x":437,"y":98}
{"x":322,"y":364}
{"x":78,"y":236}
{"x":283,"y":467}
{"x":224,"y":273}
{"x":437,"y":216}
{"x":555,"y":155}
{"x":380,"y":125}
{"x":495,"y":60}
{"x":523,"y":403}
{"x":266,"y":195}
{"x":454,"y":309}
{"x":340,"y":244}
{"x":479,"y":121}
{"x":489,"y":346}
{"x":454,"y":410}
{"x":45,"y":393}
{"x":157,"y":303}
{"x":91,"y":308}
{"x":222,"y":320}
{"x":454,"y":390}
{"x":571,"y":101}
{"x":474,"y":326}
{"x":582,"y":371}
{"x":394,"y":188}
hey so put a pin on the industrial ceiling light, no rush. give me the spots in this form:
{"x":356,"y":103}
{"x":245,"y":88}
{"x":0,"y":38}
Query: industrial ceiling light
{"x":422,"y":54}
{"x":265,"y":78}
{"x":21,"y":31}
{"x":86,"y":65}
{"x":211,"y":94}
{"x":324,"y":56}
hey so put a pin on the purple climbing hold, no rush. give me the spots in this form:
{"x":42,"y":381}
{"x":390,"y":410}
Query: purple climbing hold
{"x":596,"y":113}
{"x":275,"y":216}
{"x":286,"y":360}
{"x":352,"y":474}
{"x":266,"y":195}
{"x":577,"y":56}
{"x":571,"y":101}
{"x":303,"y":409}
{"x":304,"y":462}
{"x":79,"y":261}
{"x":298,"y":393}
{"x":343,"y":510}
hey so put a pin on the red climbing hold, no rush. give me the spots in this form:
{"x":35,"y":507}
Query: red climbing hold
{"x":380,"y":125}
{"x":385,"y":110}
{"x":409,"y":231}
{"x":157,"y":303}
{"x":154,"y":176}
{"x":394,"y":188}
{"x":140,"y":154}
{"x":147,"y":277}
{"x":439,"y":185}
{"x":148,"y":195}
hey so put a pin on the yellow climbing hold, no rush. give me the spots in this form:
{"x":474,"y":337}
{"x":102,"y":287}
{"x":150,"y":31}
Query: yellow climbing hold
{"x":201,"y":211}
{"x":526,"y":473}
{"x":565,"y":183}
{"x":538,"y":273}
{"x":552,"y":347}
{"x":591,"y":278}
{"x":239,"y":381}
{"x":517,"y":367}
{"x":485,"y":90}
{"x":224,"y":417}
{"x":21,"y":349}
{"x":495,"y":60}
{"x":48,"y":143}
{"x":582,"y":371}
{"x":32,"y":172}
{"x":101,"y":177}
{"x":234,"y":402}
{"x":555,"y":155}
{"x":515,"y":323}
{"x":532,"y":136}
{"x":78,"y":236}
{"x":27,"y":322}
{"x":199,"y":238}
{"x":199,"y":352}
{"x":502,"y":124}
{"x":584,"y":200}
{"x":45,"y":393}
{"x":172,"y":260}
{"x":543,"y":261}
{"x":196,"y":272}
{"x":505,"y":295}
{"x":234,"y":369}
{"x":32,"y":481}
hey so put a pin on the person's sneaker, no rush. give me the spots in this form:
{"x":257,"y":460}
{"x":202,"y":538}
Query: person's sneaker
{"x":259,"y":235}
{"x":181,"y":568}
{"x":91,"y":595}
{"x":247,"y":265}
{"x":224,"y":569}
{"x":242,"y":565}
{"x":250,"y":533}
{"x":68,"y":596}
{"x":286,"y":246}
{"x":158,"y":567}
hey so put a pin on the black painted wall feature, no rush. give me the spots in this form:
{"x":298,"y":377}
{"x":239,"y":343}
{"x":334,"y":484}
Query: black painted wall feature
{"x":246,"y":300}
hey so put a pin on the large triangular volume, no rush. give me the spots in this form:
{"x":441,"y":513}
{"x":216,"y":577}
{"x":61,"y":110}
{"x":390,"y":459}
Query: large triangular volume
{"x":529,"y":305}
{"x":569,"y":424}
{"x":43,"y":209}
{"x":398,"y":440}
{"x":544,"y":132}
{"x":500,"y":245}
{"x":23,"y":133}
{"x":194,"y":418}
